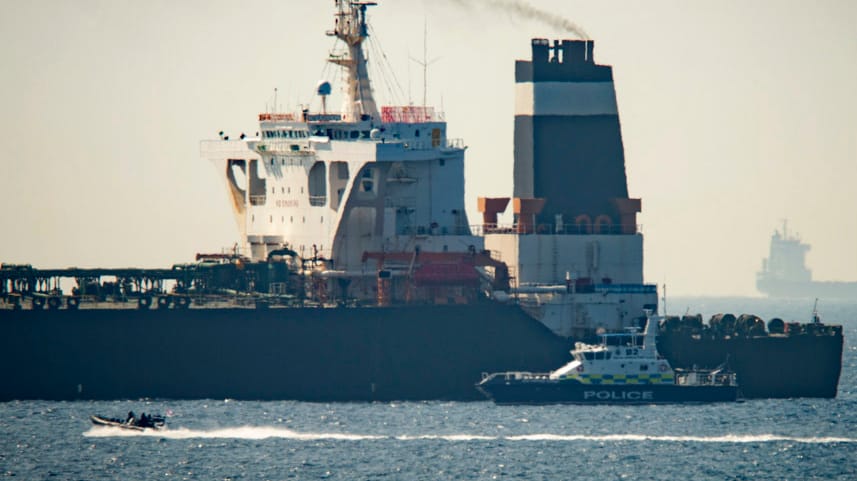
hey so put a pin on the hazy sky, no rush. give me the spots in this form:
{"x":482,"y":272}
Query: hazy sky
{"x":735,"y":115}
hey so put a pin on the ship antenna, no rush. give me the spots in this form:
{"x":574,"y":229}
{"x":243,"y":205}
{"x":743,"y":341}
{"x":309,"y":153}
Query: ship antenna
{"x":425,"y":62}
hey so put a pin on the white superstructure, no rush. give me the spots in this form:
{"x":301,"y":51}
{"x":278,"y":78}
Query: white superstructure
{"x":333,"y":186}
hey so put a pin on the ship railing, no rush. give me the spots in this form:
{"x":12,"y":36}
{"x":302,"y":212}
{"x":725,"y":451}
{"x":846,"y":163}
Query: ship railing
{"x":266,"y":116}
{"x":422,"y":230}
{"x":481,"y":230}
{"x":626,"y":288}
{"x":258,"y":199}
{"x":291,"y":147}
{"x":410,"y":114}
{"x":457,"y":143}
{"x":317,"y":200}
{"x":430,"y":144}
{"x":554,"y":229}
{"x":704,"y":378}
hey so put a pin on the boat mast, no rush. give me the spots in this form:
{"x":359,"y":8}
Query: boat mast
{"x":351,"y":28}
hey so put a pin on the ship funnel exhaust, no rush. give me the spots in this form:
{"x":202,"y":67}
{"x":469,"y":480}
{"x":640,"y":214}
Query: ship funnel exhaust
{"x":568,"y":139}
{"x":522,"y":9}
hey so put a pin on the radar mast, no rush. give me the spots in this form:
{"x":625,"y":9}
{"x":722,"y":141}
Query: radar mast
{"x":351,"y":28}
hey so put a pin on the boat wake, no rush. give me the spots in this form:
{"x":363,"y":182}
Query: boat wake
{"x":264,"y":432}
{"x":242,"y":432}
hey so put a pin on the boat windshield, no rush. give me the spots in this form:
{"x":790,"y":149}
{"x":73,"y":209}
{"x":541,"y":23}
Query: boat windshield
{"x":596,"y":355}
{"x":622,"y":339}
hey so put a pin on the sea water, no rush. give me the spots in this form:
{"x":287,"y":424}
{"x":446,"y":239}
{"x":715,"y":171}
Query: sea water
{"x":782,"y":439}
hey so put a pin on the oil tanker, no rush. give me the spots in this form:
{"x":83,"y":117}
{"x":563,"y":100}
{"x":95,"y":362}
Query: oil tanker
{"x":360,"y":277}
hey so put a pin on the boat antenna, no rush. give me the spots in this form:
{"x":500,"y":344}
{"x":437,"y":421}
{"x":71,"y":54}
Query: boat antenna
{"x":275,"y":99}
{"x":815,"y":318}
{"x":665,"y":299}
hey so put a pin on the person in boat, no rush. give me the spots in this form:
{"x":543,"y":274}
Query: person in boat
{"x":145,"y":421}
{"x":131,"y":419}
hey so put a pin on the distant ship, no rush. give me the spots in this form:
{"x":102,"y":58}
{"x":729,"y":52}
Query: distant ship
{"x":784,"y":272}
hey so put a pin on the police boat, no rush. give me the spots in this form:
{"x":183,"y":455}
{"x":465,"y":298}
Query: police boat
{"x":625,"y":368}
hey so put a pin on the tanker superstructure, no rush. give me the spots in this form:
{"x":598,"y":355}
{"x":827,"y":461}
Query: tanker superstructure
{"x":359,"y":276}
{"x":335,"y":185}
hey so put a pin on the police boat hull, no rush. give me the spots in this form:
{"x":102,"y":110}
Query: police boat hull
{"x":503,"y":389}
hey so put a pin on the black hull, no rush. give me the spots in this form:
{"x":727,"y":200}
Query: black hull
{"x":802,"y":365}
{"x":311,"y":354}
{"x":353,"y":354}
{"x":503,"y":391}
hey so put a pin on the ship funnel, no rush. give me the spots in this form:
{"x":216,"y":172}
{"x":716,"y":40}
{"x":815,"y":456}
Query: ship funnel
{"x":568,"y":140}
